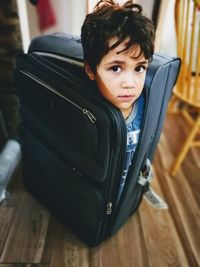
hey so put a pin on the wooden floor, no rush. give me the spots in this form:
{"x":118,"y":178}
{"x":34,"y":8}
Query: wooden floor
{"x":30,"y":236}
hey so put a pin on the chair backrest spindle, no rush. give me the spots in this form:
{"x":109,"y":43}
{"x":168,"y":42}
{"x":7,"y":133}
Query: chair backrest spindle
{"x":187,"y":21}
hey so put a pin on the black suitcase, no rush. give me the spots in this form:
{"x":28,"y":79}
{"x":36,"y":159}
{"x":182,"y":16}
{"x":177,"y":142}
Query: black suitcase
{"x":74,"y":141}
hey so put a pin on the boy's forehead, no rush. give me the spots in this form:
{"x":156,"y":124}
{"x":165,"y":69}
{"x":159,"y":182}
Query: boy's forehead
{"x":134,"y":51}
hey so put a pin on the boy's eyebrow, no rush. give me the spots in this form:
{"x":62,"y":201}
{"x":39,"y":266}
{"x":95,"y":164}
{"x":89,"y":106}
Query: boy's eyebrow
{"x":115,"y":62}
{"x":123,"y":62}
{"x":143,"y":62}
{"x":140,"y":61}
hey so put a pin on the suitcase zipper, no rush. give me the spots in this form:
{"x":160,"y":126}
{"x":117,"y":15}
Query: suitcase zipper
{"x":120,"y":163}
{"x":85,"y":111}
{"x":112,"y":210}
{"x":109,"y":208}
{"x":109,"y":204}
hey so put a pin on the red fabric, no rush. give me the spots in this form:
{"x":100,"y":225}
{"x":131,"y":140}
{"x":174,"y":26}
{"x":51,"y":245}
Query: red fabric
{"x":46,"y":14}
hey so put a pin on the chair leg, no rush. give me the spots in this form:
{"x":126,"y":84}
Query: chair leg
{"x":185,"y":147}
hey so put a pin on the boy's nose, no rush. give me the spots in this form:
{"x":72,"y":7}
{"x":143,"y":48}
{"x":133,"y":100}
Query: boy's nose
{"x":128,"y":81}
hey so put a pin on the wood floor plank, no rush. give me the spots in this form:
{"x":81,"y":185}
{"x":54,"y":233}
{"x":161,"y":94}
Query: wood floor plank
{"x":126,"y":247}
{"x":161,"y":238}
{"x":184,"y":207}
{"x":192,"y":174}
{"x":189,"y":213}
{"x":27,"y":234}
{"x":178,"y":224}
{"x":95,"y":257}
{"x":51,"y":235}
{"x":123,"y":249}
{"x":23,"y":265}
{"x":6,"y":216}
{"x":175,"y":133}
{"x":68,"y":251}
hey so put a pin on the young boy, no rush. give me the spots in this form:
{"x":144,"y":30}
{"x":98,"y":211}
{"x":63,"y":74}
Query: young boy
{"x":118,"y":43}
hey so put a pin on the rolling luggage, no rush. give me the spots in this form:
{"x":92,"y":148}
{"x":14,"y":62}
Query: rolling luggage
{"x":74,"y":141}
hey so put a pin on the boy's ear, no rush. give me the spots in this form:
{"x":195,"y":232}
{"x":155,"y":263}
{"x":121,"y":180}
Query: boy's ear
{"x":89,"y":71}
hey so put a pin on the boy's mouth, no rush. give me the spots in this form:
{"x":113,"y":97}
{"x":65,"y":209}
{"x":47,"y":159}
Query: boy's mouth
{"x":126,"y":98}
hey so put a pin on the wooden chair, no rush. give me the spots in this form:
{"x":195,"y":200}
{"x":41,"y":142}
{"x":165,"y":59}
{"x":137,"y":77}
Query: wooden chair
{"x":187,"y":90}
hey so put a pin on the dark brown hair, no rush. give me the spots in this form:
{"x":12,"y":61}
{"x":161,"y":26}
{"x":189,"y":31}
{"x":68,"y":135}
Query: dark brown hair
{"x":112,"y":20}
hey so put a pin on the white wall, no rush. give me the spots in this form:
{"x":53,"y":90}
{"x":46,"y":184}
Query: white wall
{"x":69,"y":15}
{"x":166,"y":36}
{"x":24,"y":25}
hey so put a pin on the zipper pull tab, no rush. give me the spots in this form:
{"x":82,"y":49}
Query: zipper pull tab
{"x":89,"y":115}
{"x":109,"y":208}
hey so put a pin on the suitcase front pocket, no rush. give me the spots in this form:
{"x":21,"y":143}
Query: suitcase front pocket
{"x":86,"y":112}
{"x":76,"y":202}
{"x":68,"y":127}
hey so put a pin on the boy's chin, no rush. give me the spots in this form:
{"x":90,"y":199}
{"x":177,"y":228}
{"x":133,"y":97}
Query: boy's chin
{"x":126,"y":111}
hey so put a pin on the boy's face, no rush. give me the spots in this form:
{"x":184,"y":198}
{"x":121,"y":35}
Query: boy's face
{"x":120,"y":76}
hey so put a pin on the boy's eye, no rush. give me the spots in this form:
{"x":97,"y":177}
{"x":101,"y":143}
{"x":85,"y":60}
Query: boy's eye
{"x":140,"y":68}
{"x":116,"y":68}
